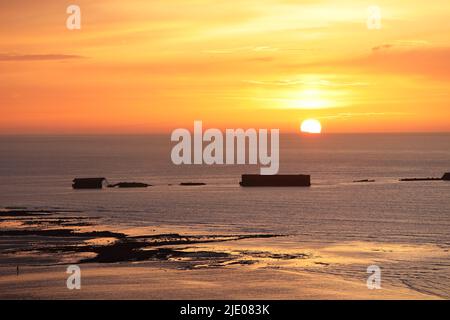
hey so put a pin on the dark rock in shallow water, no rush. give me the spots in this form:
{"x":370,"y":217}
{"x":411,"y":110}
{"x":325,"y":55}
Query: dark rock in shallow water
{"x":129,"y":185}
{"x":420,"y":179}
{"x":99,"y":183}
{"x":192,"y":184}
{"x":23,"y":213}
{"x":62,"y":233}
{"x":445,"y":177}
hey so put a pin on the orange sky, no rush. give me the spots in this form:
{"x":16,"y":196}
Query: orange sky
{"x":152,"y":66}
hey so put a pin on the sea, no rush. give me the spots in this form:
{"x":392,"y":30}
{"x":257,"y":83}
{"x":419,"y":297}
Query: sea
{"x":37,"y":172}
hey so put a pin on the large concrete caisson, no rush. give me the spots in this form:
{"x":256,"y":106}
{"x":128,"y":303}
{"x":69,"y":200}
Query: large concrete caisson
{"x":89,"y":183}
{"x":279,"y":180}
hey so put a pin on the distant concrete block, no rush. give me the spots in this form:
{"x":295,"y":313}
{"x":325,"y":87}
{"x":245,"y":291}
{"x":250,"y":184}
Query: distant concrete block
{"x":279,"y":180}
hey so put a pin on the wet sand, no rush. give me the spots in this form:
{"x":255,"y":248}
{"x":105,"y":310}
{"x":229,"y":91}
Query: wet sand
{"x":151,"y":280}
{"x":180,"y":263}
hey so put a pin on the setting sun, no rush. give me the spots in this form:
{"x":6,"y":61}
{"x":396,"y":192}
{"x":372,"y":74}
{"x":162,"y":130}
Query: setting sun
{"x":311,"y":126}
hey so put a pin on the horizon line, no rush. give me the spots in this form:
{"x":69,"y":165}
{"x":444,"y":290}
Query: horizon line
{"x":168,"y":133}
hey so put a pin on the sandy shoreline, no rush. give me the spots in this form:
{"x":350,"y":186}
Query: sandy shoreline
{"x":157,"y":262}
{"x":150,"y":281}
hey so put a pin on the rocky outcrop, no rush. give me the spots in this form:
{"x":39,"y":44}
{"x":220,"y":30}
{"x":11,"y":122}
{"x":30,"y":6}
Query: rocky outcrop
{"x":364,"y":180}
{"x":420,"y":179}
{"x":445,"y":177}
{"x":192,"y":184}
{"x":99,"y":183}
{"x":129,"y":185}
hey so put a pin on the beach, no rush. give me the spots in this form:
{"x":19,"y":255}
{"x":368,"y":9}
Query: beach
{"x":155,"y":282}
{"x":168,"y":263}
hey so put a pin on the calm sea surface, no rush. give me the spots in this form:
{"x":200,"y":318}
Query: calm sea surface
{"x":37,"y":172}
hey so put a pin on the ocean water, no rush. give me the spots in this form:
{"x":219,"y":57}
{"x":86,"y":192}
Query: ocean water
{"x":36,"y":172}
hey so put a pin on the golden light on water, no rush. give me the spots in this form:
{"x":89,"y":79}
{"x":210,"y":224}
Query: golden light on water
{"x":311,"y":126}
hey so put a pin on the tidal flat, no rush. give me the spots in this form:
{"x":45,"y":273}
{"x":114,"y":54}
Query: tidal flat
{"x":166,"y":262}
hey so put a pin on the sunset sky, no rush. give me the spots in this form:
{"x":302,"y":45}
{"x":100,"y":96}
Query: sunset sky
{"x":142,"y":66}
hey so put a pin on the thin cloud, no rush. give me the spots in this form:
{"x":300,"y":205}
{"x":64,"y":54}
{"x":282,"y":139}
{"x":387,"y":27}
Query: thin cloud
{"x":382,"y":47}
{"x":403,"y":44}
{"x":38,"y":57}
{"x":344,"y":115}
{"x":314,"y":83}
{"x":430,"y":62}
{"x":242,"y":49}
